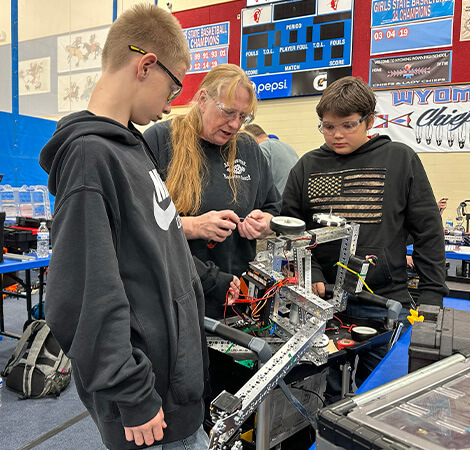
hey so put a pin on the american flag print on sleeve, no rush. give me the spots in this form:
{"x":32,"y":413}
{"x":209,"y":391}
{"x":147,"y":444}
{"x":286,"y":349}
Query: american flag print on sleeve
{"x":355,"y":194}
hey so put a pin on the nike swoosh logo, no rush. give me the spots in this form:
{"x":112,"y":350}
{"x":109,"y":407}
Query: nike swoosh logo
{"x":163,"y":217}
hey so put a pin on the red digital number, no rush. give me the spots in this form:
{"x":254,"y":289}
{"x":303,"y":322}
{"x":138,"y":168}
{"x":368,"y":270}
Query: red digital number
{"x":403,"y":32}
{"x":378,"y":36}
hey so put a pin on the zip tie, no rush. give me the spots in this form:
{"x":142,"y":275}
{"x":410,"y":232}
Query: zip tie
{"x":291,"y":360}
{"x":357,"y":274}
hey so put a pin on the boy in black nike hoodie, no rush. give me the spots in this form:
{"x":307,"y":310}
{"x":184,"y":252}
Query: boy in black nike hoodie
{"x":123,"y":296}
{"x":378,"y":184}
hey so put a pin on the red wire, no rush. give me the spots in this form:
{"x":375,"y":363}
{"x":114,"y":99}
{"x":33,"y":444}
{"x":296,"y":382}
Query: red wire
{"x":272,"y":291}
{"x":349,"y":328}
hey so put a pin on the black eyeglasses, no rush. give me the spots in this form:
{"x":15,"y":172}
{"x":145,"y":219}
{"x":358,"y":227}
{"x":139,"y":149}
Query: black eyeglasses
{"x":175,"y":91}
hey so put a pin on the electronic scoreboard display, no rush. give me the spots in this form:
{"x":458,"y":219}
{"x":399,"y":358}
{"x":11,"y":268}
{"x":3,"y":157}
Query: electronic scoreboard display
{"x":292,"y":37}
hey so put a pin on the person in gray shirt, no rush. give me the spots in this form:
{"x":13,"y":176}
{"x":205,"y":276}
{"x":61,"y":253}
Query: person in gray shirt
{"x":281,"y":156}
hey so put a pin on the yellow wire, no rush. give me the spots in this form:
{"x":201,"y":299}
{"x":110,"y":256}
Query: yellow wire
{"x":355,"y":273}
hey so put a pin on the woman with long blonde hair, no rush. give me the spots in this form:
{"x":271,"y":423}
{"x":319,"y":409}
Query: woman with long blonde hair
{"x":216,"y":175}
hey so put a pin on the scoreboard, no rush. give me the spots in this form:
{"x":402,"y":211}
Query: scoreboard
{"x":296,"y":36}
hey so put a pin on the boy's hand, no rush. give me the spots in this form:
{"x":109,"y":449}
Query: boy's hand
{"x":149,"y":432}
{"x":442,"y":204}
{"x":318,"y":288}
{"x":234,"y":291}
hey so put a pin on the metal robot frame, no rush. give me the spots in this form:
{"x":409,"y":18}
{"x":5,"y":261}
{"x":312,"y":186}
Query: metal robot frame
{"x":302,"y":329}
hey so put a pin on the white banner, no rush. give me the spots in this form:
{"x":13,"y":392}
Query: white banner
{"x":260,"y":2}
{"x":256,"y":16}
{"x":465,"y":21}
{"x":333,"y":6}
{"x":431,"y":119}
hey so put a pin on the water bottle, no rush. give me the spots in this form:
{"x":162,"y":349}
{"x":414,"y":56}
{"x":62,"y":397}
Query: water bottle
{"x":42,"y":249}
{"x":449,"y":225}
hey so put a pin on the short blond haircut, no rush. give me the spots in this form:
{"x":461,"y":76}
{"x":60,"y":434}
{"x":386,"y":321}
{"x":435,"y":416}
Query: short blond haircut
{"x":150,"y":28}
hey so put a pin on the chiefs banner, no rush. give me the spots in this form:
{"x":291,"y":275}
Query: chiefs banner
{"x":428,"y":119}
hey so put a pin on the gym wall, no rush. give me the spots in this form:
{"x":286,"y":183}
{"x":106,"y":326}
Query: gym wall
{"x":292,"y":119}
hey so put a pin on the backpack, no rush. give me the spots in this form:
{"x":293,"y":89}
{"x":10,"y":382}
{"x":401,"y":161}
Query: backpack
{"x":43,"y":370}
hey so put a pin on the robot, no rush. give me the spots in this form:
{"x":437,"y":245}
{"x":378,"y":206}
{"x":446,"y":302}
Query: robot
{"x":290,"y":320}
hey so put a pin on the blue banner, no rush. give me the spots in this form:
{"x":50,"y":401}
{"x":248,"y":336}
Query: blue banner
{"x":272,"y":86}
{"x":214,"y":35}
{"x":294,"y":84}
{"x":205,"y":59}
{"x":412,"y":36}
{"x":388,"y":12}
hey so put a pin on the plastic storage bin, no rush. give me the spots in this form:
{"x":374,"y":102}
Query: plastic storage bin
{"x":426,"y":409}
{"x":26,"y":201}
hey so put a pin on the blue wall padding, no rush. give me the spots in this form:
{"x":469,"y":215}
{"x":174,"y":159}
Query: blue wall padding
{"x":21,"y":143}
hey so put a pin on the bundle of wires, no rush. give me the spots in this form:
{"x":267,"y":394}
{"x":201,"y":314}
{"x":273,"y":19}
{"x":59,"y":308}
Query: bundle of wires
{"x":257,"y":304}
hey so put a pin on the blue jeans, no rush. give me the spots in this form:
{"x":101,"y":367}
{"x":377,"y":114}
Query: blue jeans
{"x":197,"y":441}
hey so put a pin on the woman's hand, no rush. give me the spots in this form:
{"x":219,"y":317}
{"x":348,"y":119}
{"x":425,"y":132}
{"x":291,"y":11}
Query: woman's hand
{"x":255,"y":225}
{"x":213,"y":225}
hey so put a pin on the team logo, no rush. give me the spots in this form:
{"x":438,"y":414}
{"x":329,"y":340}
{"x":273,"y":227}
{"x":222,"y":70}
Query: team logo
{"x":403,"y":120}
{"x":238,"y":169}
{"x":256,"y":15}
{"x":408,"y":71}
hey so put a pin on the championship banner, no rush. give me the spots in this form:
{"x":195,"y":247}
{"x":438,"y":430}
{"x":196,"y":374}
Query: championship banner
{"x":402,"y":25}
{"x":434,"y":119}
{"x":208,"y":45}
{"x":400,"y":11}
{"x":412,"y":36}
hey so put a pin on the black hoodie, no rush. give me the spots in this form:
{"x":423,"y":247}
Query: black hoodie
{"x":123,"y":297}
{"x":382,"y":186}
